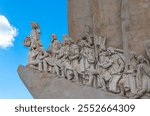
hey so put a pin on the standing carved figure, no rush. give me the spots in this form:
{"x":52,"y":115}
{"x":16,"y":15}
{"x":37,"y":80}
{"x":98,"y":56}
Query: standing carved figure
{"x":88,"y":33}
{"x":90,"y":69}
{"x":53,"y":51}
{"x":102,"y":59}
{"x":63,"y":56}
{"x":69,"y":71}
{"x":36,"y":52}
{"x":143,"y":77}
{"x":127,"y":84}
{"x":59,"y":65}
{"x":83,"y":62}
{"x":74,"y":59}
{"x":35,"y":35}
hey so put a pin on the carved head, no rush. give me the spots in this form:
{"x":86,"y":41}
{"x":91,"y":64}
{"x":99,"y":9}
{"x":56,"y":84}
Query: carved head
{"x":110,"y":51}
{"x":54,"y":37}
{"x":67,"y":40}
{"x":141,"y":59}
{"x":87,"y":29}
{"x":83,"y":42}
{"x":58,"y":45}
{"x":64,"y":39}
{"x":35,"y":25}
{"x":91,"y":55}
{"x":133,"y":55}
{"x":64,"y":36}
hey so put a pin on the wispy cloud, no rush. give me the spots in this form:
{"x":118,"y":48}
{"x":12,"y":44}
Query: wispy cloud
{"x":7,"y":33}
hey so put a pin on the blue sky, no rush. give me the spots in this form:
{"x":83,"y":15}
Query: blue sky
{"x":52,"y":18}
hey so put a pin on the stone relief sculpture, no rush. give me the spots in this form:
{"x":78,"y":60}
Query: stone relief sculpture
{"x":90,"y":63}
{"x":53,"y":50}
{"x":143,"y":77}
{"x":127,"y":84}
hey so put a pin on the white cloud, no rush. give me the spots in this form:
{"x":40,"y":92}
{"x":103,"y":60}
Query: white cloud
{"x":7,"y":33}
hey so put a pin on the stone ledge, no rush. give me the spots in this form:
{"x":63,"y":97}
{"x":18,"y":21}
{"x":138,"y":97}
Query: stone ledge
{"x":50,"y":86}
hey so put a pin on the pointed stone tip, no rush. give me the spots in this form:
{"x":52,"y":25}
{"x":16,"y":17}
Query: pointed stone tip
{"x":20,"y":67}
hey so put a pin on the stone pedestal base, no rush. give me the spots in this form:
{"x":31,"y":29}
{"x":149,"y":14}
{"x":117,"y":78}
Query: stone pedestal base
{"x":50,"y":86}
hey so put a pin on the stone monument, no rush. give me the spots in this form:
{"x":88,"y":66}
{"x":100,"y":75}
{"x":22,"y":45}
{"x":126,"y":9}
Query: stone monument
{"x":105,"y":55}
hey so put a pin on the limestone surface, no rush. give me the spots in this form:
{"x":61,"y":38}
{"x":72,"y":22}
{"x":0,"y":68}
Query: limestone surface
{"x":124,"y":22}
{"x":50,"y":86}
{"x":108,"y":47}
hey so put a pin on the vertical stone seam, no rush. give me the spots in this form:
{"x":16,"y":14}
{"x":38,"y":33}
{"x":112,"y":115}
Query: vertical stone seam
{"x":125,"y":27}
{"x":70,"y":18}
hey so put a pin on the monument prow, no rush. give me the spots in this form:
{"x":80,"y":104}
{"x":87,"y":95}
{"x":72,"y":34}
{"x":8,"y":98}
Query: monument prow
{"x":50,"y":86}
{"x":89,"y":66}
{"x":105,"y":55}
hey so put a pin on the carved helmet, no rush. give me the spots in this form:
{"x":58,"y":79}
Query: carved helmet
{"x":54,"y":37}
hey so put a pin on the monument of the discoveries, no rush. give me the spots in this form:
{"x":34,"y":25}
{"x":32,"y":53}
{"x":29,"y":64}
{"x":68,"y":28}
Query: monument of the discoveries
{"x":106,"y":54}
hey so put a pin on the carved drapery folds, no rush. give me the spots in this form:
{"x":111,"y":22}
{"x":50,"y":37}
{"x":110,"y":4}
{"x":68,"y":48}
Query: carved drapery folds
{"x":89,"y":62}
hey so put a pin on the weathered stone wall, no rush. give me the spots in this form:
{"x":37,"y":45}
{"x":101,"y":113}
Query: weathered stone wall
{"x":126,"y":23}
{"x":106,"y":20}
{"x":80,"y":13}
{"x":139,"y":24}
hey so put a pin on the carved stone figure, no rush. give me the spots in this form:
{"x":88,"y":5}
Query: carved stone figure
{"x":74,"y":59}
{"x":27,"y":41}
{"x":102,"y":59}
{"x":60,"y":63}
{"x":33,"y":52}
{"x":89,"y":62}
{"x":89,"y":34}
{"x":69,"y":71}
{"x":128,"y":82}
{"x":85,"y":65}
{"x":62,"y":60}
{"x":104,"y":75}
{"x":53,"y":50}
{"x":143,"y":77}
{"x":114,"y":66}
{"x":35,"y":35}
{"x":36,"y":52}
{"x":54,"y":46}
{"x":37,"y":56}
{"x":91,"y":70}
